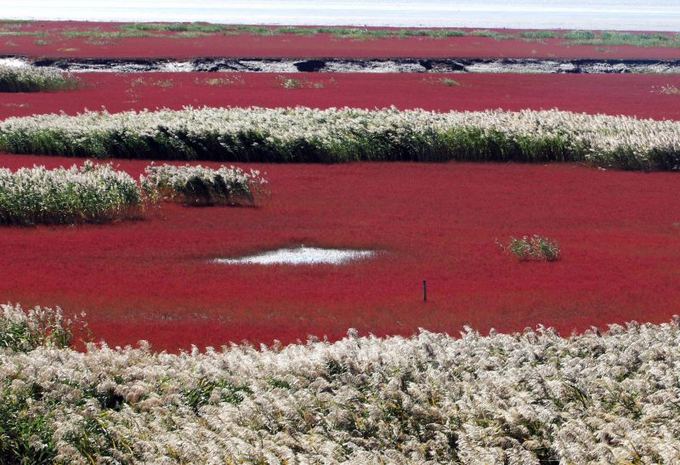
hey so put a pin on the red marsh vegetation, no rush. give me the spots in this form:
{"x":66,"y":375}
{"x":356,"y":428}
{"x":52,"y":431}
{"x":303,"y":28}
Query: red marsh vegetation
{"x":640,"y":95}
{"x":619,"y":233}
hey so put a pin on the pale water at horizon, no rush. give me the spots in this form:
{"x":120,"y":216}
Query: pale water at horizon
{"x":661,"y":15}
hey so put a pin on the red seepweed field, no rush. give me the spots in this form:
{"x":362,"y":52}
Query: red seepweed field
{"x":639,"y":95}
{"x":152,"y":278}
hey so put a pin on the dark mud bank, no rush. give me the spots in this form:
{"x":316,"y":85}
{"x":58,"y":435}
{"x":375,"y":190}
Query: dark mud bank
{"x":452,"y":65}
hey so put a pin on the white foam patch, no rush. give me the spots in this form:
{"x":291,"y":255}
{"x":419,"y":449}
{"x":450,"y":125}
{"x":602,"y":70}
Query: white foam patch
{"x":300,"y":256}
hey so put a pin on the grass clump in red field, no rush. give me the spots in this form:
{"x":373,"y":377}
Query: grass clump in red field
{"x":202,"y":186}
{"x":290,"y":83}
{"x":32,"y":79}
{"x":667,"y":90}
{"x":98,"y":193}
{"x":89,"y":193}
{"x":533,"y":247}
{"x":25,"y":330}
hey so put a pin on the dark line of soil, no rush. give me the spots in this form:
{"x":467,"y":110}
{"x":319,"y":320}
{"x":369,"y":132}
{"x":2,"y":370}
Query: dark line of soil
{"x":451,"y":65}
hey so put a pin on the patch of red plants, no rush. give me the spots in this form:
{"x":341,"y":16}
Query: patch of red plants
{"x":171,"y":45}
{"x":151,"y":279}
{"x":638,"y":95}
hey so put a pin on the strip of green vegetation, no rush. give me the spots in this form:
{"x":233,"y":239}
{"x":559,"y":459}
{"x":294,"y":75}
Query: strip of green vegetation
{"x":15,"y":21}
{"x":342,"y":32}
{"x":623,"y":38}
{"x":490,"y":34}
{"x":575,"y":37}
{"x":538,"y":35}
{"x":95,"y":33}
{"x":579,"y":35}
{"x":173,"y":27}
{"x":15,"y":33}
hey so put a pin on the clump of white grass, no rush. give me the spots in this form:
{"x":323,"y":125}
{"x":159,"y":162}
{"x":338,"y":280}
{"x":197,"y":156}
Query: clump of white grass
{"x":86,"y":193}
{"x":100,"y":193}
{"x":202,"y":186}
{"x":14,"y":77}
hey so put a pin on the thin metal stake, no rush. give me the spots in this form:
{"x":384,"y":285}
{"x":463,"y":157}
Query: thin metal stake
{"x":424,"y":291}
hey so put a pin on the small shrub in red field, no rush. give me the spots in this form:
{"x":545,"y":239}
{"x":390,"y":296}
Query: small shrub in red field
{"x":33,"y":79}
{"x":533,"y":247}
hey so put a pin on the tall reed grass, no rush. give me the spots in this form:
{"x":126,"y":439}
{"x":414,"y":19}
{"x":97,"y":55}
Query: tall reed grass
{"x":203,"y":186}
{"x":532,"y":398}
{"x":34,"y":79}
{"x":342,"y":135}
{"x":99,"y":193}
{"x":89,"y":193}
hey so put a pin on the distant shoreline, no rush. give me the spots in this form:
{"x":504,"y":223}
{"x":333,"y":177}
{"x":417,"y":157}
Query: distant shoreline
{"x":188,"y":41}
{"x":661,"y":15}
{"x":252,"y":27}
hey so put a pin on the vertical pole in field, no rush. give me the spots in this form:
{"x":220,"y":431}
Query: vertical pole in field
{"x":424,"y":291}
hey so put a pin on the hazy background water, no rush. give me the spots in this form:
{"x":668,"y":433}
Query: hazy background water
{"x":568,"y":14}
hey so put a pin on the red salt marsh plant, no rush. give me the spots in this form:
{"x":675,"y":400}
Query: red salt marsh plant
{"x":155,"y":280}
{"x":621,"y":94}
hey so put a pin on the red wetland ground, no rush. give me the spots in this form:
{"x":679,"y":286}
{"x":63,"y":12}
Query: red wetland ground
{"x":152,"y":279}
{"x":641,"y":95}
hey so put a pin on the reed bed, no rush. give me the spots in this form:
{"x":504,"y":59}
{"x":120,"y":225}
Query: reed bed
{"x":342,"y":135}
{"x":96,"y":193}
{"x":87,"y":193}
{"x":202,"y":186}
{"x":34,"y":79}
{"x":527,"y":398}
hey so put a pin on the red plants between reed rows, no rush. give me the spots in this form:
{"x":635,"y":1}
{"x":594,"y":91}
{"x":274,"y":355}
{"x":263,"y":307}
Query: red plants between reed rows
{"x":644,"y":96}
{"x":151,"y":279}
{"x":51,"y":39}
